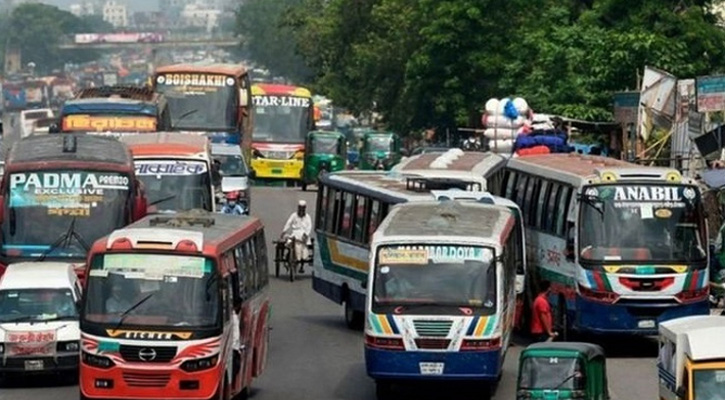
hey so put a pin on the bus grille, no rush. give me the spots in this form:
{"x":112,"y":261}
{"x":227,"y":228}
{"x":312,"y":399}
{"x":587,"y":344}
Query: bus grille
{"x":432,"y":344}
{"x":146,"y":380}
{"x":432,"y":328}
{"x":162,"y":354}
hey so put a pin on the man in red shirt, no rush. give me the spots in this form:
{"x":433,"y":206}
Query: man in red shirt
{"x":541,"y":321}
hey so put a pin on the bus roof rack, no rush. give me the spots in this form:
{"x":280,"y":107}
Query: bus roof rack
{"x":190,"y":218}
{"x":122,"y":91}
{"x":427,"y":184}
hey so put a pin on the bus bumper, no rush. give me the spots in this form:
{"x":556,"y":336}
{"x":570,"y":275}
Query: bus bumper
{"x":277,"y":169}
{"x":639,"y":319}
{"x":149,"y":383}
{"x":406,"y":365}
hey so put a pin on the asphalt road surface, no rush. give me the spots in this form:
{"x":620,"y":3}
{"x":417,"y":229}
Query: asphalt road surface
{"x":314,"y":356}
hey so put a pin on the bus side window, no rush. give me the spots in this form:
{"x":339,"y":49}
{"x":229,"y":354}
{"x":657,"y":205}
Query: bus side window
{"x":228,"y":258}
{"x":511,"y":186}
{"x":553,"y":200}
{"x":521,"y":191}
{"x":373,"y":218}
{"x":249,"y":266}
{"x":541,"y":209}
{"x":262,"y":258}
{"x":562,"y":210}
{"x":529,"y":204}
{"x":333,"y":207}
{"x":360,"y":214}
{"x":321,"y":207}
{"x":243,"y":274}
{"x":346,"y":216}
{"x":503,"y":183}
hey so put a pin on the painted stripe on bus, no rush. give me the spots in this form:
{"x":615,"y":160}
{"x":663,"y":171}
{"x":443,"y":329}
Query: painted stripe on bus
{"x":332,"y":260}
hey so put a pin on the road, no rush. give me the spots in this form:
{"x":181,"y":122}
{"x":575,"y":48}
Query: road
{"x":314,"y":356}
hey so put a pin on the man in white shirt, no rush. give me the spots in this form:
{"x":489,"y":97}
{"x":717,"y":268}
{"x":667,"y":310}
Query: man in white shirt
{"x":299,"y":226}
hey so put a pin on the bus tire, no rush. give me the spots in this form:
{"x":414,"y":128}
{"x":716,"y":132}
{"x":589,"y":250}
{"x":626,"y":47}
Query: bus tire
{"x":304,"y":186}
{"x":353,"y":318}
{"x":383,"y":390}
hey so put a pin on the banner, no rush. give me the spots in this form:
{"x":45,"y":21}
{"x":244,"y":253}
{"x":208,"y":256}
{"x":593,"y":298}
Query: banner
{"x":710,"y":92}
{"x":99,"y":123}
{"x":140,"y":37}
{"x":423,"y":254}
{"x":26,"y":343}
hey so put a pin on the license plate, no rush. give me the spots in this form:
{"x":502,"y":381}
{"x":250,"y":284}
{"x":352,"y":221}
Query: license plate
{"x":431,"y":368}
{"x":648,"y":323}
{"x":276,"y":171}
{"x":34,"y":365}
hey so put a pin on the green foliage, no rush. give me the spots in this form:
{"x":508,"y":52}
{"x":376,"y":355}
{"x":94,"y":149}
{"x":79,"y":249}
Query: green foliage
{"x":268,"y":40}
{"x":37,"y":29}
{"x":433,"y":63}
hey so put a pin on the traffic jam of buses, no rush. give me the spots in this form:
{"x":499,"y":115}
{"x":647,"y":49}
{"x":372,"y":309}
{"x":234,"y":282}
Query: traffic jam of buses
{"x":134,"y":262}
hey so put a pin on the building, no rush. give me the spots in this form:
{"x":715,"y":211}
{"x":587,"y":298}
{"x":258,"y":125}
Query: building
{"x":200,"y":16}
{"x":83,"y":9}
{"x":115,"y":14}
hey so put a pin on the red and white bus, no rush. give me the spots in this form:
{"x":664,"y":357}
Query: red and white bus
{"x":158,"y":316}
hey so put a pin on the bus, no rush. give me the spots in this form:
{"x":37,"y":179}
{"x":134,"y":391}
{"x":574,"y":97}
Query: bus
{"x":115,"y":109}
{"x":175,"y":169}
{"x":351,"y":204}
{"x":213,"y":99}
{"x":283,"y":115}
{"x":440,"y":294}
{"x":161,"y":304}
{"x":624,"y":246}
{"x":60,"y":193}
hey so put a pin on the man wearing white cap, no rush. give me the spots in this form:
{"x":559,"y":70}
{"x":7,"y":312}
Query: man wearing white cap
{"x":299,"y":226}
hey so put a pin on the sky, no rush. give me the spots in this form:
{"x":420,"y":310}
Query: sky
{"x":132,"y":5}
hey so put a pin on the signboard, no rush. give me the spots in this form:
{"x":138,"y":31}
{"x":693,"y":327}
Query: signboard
{"x":169,"y":167}
{"x":625,"y":107}
{"x":154,"y":266}
{"x":64,"y":193}
{"x":710,"y":93}
{"x":423,"y":254}
{"x":25,"y":343}
{"x":201,"y":80}
{"x":638,"y":196}
{"x":101,"y":123}
{"x":281,"y":101}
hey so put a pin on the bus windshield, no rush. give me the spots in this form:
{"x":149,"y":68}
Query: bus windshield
{"x":60,"y":213}
{"x":175,"y":184}
{"x":642,"y":223}
{"x":325,"y":145}
{"x":541,"y":373}
{"x":433,"y":278}
{"x":276,"y":120}
{"x":709,"y":384}
{"x":203,"y":108}
{"x":147,"y":289}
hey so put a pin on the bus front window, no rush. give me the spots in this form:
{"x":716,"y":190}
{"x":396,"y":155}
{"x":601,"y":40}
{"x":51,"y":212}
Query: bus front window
{"x":708,"y":384}
{"x":642,"y":223}
{"x":281,"y":119}
{"x":45,"y":207}
{"x":152,"y":290}
{"x":176,"y":185}
{"x":434,"y":279}
{"x":205,"y":108}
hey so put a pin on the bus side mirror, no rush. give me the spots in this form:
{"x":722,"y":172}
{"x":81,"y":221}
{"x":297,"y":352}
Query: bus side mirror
{"x":243,"y":98}
{"x":569,"y":251}
{"x":681,"y":393}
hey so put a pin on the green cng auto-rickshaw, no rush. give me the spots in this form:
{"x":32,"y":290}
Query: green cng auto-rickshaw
{"x":562,"y":370}
{"x":324,"y":151}
{"x":380,"y":150}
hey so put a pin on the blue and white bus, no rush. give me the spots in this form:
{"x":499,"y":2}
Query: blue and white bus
{"x":351,"y":205}
{"x":441,"y":293}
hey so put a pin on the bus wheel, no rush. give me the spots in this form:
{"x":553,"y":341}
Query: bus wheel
{"x":562,"y":319}
{"x":383,"y":390}
{"x":353,"y":318}
{"x":304,"y":186}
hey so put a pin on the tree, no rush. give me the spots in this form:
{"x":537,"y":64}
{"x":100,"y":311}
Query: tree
{"x":38,"y":29}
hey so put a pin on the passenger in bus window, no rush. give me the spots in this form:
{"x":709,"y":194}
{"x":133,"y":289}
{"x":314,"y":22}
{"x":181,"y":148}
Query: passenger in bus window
{"x":117,"y":303}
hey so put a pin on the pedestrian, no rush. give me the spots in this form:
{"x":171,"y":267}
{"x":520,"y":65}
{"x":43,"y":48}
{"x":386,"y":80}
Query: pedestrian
{"x":541,"y":321}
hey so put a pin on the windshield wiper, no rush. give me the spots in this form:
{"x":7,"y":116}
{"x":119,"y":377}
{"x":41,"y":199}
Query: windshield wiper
{"x":66,"y":239}
{"x":594,"y":202}
{"x":568,"y":378}
{"x":21,"y":318}
{"x":182,"y":117}
{"x":133,"y":307}
{"x":153,"y":203}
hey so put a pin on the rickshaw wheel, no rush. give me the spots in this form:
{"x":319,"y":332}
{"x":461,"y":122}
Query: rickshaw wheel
{"x":304,"y":186}
{"x":276,"y":269}
{"x":291,"y":257}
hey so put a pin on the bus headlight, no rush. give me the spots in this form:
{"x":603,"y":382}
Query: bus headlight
{"x":200,"y":364}
{"x":97,"y":361}
{"x":68,"y":346}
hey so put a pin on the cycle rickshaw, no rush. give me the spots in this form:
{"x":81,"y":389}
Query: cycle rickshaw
{"x":284,"y":254}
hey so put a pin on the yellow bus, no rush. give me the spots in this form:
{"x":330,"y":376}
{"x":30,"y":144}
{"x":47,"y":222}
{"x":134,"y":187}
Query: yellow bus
{"x":283,"y":115}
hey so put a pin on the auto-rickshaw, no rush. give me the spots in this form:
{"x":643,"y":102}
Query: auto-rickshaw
{"x":380,"y":151}
{"x":562,"y":370}
{"x":324,"y":151}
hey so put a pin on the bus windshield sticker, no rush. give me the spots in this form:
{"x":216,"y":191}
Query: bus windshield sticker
{"x":663,"y":213}
{"x":199,"y":80}
{"x":66,"y":193}
{"x":169,"y":167}
{"x":646,"y":211}
{"x":281,"y":101}
{"x":403,"y":256}
{"x":155,"y":266}
{"x":103,"y":123}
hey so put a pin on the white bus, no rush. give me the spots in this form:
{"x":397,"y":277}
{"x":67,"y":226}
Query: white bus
{"x":624,"y":246}
{"x":351,"y":204}
{"x":440,"y":294}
